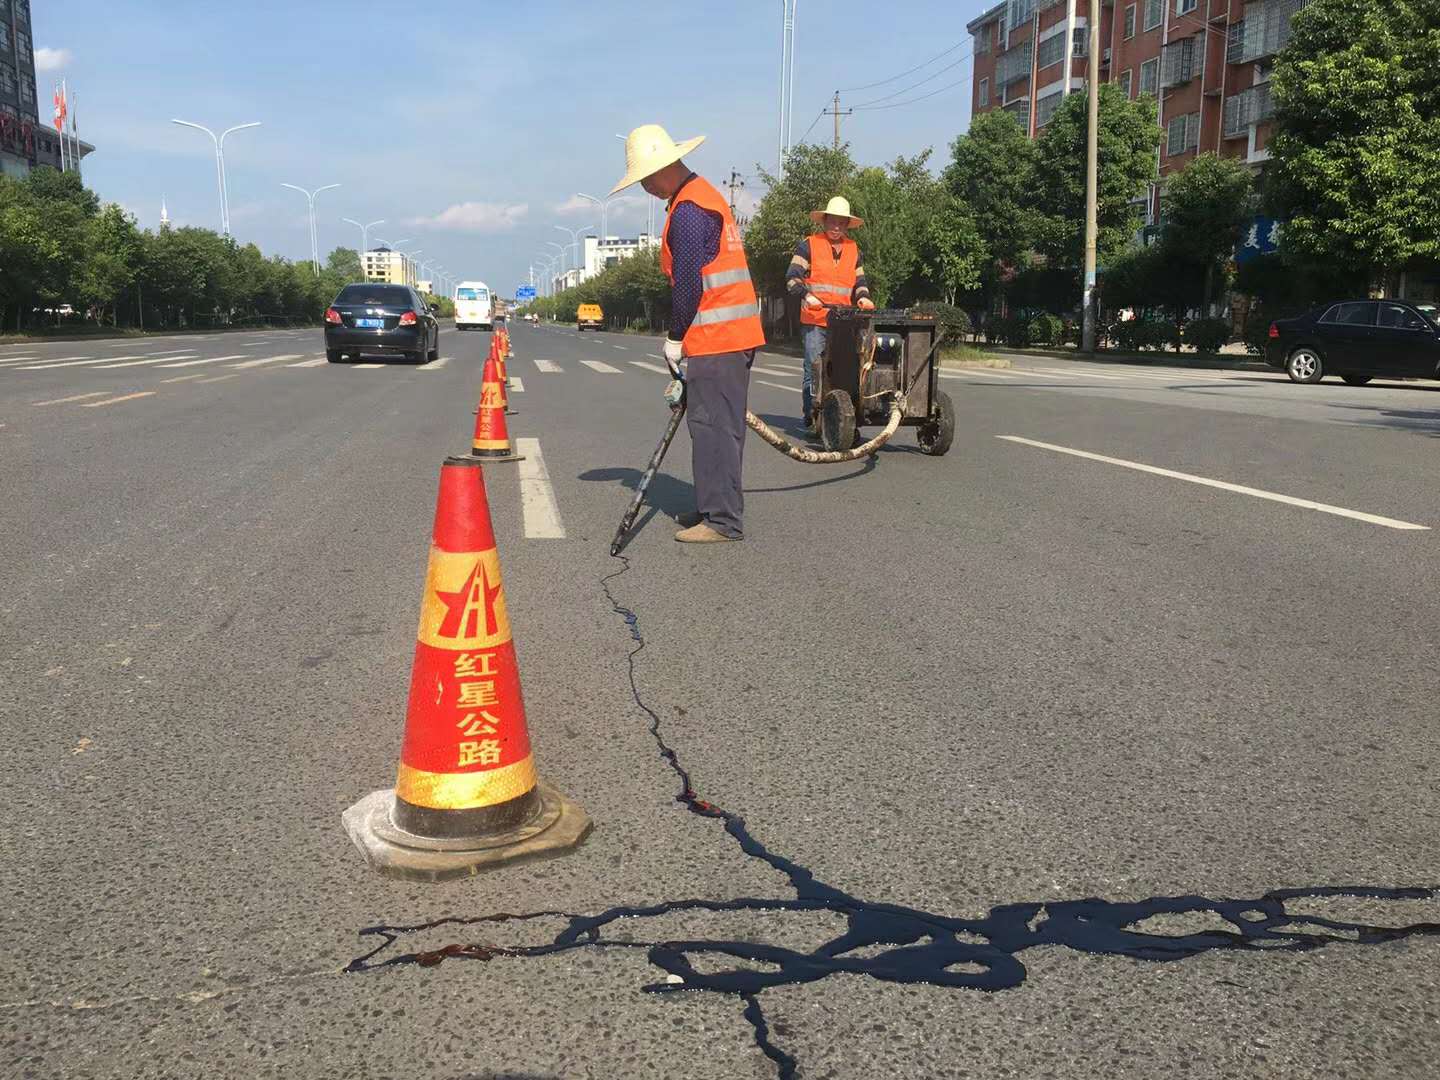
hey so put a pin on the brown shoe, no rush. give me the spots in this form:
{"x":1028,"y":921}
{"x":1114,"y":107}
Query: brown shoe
{"x":702,"y":534}
{"x":687,"y":521}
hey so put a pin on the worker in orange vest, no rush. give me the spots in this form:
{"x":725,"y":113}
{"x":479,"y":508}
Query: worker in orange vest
{"x":825,"y":270}
{"x":714,"y":324}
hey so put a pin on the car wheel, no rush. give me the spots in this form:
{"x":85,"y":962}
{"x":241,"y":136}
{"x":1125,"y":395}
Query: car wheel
{"x":1305,"y":366}
{"x":1356,"y":380}
{"x":334,"y":355}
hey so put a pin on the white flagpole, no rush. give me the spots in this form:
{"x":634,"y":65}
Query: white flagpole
{"x":75,"y":130}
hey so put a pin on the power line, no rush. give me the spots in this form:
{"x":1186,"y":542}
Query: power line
{"x":812,"y":126}
{"x":917,"y":67}
{"x":912,"y":86}
{"x":912,"y":101}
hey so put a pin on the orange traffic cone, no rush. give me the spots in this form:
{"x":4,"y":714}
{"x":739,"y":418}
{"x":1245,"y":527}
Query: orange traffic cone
{"x":467,"y":795}
{"x":509,"y":350}
{"x":492,"y":438}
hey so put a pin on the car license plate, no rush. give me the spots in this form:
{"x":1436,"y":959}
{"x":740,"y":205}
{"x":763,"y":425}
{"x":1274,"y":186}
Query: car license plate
{"x":371,"y":324}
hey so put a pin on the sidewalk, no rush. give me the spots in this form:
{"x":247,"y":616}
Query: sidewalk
{"x":1223,"y":361}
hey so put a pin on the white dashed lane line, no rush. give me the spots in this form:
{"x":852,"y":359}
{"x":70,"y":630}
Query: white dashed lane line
{"x":601,"y":366}
{"x":650,"y":367}
{"x":1239,"y":489}
{"x":72,"y":397}
{"x":549,"y":367}
{"x":117,"y":400}
{"x":537,"y":497}
{"x":517,"y":386}
{"x":779,"y":386}
{"x":270,"y":360}
{"x":205,"y":360}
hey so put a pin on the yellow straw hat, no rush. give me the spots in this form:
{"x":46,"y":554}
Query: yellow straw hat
{"x":648,"y":149}
{"x":839,"y":206}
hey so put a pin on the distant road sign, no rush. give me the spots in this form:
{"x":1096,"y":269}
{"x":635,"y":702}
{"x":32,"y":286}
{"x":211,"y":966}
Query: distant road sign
{"x":524,"y":292}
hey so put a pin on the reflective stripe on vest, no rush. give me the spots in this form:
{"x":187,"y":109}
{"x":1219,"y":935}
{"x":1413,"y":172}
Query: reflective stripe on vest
{"x":710,"y":316}
{"x":831,"y":279}
{"x":833,"y":290}
{"x":725,"y":277}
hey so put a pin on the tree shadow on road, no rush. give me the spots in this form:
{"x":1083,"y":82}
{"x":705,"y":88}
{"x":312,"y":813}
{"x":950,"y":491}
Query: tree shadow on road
{"x":1416,"y":421}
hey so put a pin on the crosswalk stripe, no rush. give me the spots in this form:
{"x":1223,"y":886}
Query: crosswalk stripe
{"x":143,"y":361}
{"x":434,"y":365}
{"x":366,"y":367}
{"x":72,"y":397}
{"x":770,"y":371}
{"x":116,"y":400}
{"x":270,"y":360}
{"x":1078,"y":373}
{"x":517,"y":384}
{"x":205,"y":360}
{"x":104,"y":360}
{"x":785,"y":367}
{"x":219,"y":378}
{"x":650,"y":367}
{"x":549,"y":367}
{"x":310,"y":363}
{"x":182,"y":378}
{"x":601,"y":366}
{"x":966,"y":372}
{"x":779,"y":386}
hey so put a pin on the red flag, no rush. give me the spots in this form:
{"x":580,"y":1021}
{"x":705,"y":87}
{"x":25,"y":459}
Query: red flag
{"x":59,"y":100}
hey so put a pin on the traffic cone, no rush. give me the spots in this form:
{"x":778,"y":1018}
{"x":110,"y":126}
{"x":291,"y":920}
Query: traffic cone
{"x":509,"y":350}
{"x":467,"y":795}
{"x":492,"y":438}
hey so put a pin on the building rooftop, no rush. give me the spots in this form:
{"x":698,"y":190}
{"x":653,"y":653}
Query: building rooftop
{"x":986,"y":17}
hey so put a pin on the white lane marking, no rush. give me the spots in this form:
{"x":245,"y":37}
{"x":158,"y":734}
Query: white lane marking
{"x":625,"y":347}
{"x":310,"y":363}
{"x":366,"y":367}
{"x":72,"y":397}
{"x":601,"y":366}
{"x":769,"y":371}
{"x":1239,"y":489}
{"x":537,"y":496}
{"x":964,"y":372}
{"x":105,"y":360}
{"x":650,"y":367}
{"x":182,"y":378}
{"x":434,"y":365}
{"x":219,"y":378}
{"x":206,"y":360}
{"x":785,"y":367}
{"x":549,"y":367}
{"x":144,"y":360}
{"x":268,"y":360}
{"x":516,"y":384}
{"x":115,"y":400}
{"x":1079,"y":373}
{"x":654,"y":356}
{"x":17,"y":359}
{"x":779,"y":386}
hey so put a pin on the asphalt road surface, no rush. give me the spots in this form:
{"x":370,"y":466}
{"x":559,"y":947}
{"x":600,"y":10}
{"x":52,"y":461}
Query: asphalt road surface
{"x":1143,"y":633}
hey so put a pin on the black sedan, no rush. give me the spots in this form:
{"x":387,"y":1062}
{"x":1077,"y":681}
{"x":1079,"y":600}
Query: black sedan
{"x":1358,"y":340}
{"x":381,"y":319}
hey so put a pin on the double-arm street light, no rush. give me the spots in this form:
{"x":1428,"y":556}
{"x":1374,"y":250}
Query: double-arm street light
{"x":575,"y":241}
{"x":604,"y":205}
{"x":314,"y":241}
{"x":219,"y":141}
{"x":364,"y":237}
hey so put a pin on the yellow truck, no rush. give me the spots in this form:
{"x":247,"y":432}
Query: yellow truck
{"x":589,"y":315}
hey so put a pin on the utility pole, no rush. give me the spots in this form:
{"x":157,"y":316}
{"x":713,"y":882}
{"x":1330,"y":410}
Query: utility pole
{"x":834,"y":111}
{"x":1092,"y":178}
{"x":735,"y":181}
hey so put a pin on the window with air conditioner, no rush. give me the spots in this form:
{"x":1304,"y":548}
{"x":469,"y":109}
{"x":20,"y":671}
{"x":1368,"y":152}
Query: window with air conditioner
{"x":1081,"y":47}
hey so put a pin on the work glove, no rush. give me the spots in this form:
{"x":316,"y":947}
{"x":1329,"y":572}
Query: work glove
{"x":675,"y":393}
{"x":812,"y":301}
{"x":866,"y":304}
{"x":674,"y":352}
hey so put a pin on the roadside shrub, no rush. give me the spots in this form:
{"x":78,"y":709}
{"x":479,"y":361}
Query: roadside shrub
{"x":1046,"y":329}
{"x":1257,"y":333}
{"x":954,"y":323}
{"x":1008,"y":330}
{"x":1207,"y":335}
{"x":1137,"y":335}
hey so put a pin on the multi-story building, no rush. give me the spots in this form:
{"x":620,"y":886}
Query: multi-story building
{"x":392,"y":267}
{"x":24,"y":141}
{"x":1206,"y":63}
{"x":601,"y":252}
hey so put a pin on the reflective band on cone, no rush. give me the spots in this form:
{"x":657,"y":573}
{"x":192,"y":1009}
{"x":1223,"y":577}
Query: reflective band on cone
{"x":467,"y":794}
{"x":492,"y":438}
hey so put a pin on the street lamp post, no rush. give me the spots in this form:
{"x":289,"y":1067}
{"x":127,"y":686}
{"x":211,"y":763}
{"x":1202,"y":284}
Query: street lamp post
{"x":604,"y":205}
{"x":314,"y":240}
{"x":575,"y":241}
{"x":219,"y":141}
{"x":364,"y":238}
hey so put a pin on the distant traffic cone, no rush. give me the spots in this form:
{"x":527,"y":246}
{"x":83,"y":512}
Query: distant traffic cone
{"x":509,"y":350}
{"x":467,"y":795}
{"x":492,"y":438}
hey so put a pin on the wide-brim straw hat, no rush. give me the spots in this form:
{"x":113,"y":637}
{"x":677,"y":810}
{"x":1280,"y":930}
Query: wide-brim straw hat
{"x":839,"y":206}
{"x":648,"y":149}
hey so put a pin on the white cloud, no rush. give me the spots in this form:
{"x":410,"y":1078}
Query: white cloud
{"x":477,"y":217}
{"x":47,"y":59}
{"x":574,"y":205}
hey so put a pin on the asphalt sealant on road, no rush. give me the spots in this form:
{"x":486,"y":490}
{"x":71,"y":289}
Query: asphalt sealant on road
{"x":894,"y":943}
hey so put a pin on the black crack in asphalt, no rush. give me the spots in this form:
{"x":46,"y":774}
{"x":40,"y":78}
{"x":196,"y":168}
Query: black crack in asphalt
{"x":923,"y":947}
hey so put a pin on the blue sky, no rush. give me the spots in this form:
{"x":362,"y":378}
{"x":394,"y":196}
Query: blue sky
{"x":470,"y":126}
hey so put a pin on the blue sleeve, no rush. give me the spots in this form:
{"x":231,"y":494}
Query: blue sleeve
{"x":694,"y":238}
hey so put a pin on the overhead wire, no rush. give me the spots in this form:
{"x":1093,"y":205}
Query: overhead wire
{"x":905,"y":90}
{"x":892,"y":78}
{"x":912,"y":101}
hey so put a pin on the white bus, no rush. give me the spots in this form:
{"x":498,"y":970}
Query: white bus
{"x":474,"y":305}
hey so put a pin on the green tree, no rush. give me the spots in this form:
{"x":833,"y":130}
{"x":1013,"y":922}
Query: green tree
{"x":990,"y":172}
{"x":1128,"y":139}
{"x":896,"y":204}
{"x":812,"y":174}
{"x":952,"y":252}
{"x":1203,"y":209}
{"x":1356,"y":155}
{"x":109,"y":264}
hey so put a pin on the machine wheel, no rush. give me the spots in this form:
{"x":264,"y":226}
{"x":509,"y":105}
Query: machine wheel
{"x":334,"y":356}
{"x":837,"y":421}
{"x":1356,"y":380}
{"x":937,"y":433}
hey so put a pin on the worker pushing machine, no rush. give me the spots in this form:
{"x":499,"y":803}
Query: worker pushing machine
{"x":714,"y":324}
{"x":826,"y":272}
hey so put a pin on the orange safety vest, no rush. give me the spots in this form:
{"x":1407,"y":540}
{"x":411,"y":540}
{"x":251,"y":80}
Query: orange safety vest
{"x":728,"y":319}
{"x":832,"y":280}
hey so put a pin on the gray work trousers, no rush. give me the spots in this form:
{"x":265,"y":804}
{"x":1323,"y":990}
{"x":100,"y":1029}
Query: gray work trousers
{"x":716,"y":387}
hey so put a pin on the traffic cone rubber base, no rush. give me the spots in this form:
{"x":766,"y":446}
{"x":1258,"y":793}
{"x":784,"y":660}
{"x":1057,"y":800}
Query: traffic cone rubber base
{"x":493,"y":457}
{"x":555,"y":826}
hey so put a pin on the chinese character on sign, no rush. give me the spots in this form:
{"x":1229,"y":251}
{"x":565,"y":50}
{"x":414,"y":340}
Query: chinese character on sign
{"x":483,"y":752}
{"x":467,"y":664}
{"x":477,"y":693}
{"x":1252,"y":239}
{"x":1273,"y":239}
{"x":481,"y":723}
